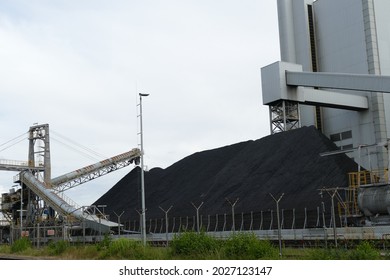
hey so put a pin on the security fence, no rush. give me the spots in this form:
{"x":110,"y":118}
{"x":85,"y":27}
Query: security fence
{"x":261,"y":220}
{"x":303,"y":226}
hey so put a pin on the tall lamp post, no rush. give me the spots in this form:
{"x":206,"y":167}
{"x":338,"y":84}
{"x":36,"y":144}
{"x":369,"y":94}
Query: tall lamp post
{"x":21,"y":206}
{"x":143,"y":228}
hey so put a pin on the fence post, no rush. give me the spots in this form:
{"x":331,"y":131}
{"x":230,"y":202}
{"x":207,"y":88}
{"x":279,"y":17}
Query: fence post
{"x":233,"y":216}
{"x":261,"y":220}
{"x":216,"y":223}
{"x":119,"y":222}
{"x":162,"y":224}
{"x":279,"y":229}
{"x":318,"y":217}
{"x":173,"y":224}
{"x":251,"y":224}
{"x":293,"y":221}
{"x":155,"y":225}
{"x":166,"y":222}
{"x":197,"y":215}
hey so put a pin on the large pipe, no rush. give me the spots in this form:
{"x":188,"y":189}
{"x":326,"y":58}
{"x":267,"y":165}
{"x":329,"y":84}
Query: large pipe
{"x":286,"y":30}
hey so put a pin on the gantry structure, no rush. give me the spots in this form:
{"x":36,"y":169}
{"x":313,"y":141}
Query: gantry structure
{"x":41,"y":195}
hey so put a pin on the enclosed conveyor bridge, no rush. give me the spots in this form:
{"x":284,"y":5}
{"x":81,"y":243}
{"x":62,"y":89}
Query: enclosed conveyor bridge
{"x":88,"y":173}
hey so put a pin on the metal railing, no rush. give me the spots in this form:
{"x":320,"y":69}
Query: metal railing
{"x":21,"y":163}
{"x":367,"y":177}
{"x":67,"y":199}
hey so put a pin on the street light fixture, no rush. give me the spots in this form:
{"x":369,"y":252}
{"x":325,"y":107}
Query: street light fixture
{"x":143,"y":228}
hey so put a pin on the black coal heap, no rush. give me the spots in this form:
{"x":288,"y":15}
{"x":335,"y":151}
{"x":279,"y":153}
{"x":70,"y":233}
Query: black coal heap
{"x":287,"y":162}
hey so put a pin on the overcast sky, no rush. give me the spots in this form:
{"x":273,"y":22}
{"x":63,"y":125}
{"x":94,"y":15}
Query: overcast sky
{"x":78,"y":66}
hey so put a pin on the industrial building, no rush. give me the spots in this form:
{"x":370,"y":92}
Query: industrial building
{"x":345,"y":36}
{"x":334,"y":74}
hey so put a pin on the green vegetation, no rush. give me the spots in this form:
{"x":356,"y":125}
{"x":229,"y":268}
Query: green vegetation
{"x":20,"y":245}
{"x":190,"y":245}
{"x":194,"y":244}
{"x":57,"y":248}
{"x":123,"y":248}
{"x":248,"y":246}
{"x":363,"y":251}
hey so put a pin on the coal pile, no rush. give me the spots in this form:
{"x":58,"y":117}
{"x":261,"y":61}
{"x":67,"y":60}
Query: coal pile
{"x":287,"y":162}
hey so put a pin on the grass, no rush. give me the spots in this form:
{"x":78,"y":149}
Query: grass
{"x":190,"y":246}
{"x":20,"y":245}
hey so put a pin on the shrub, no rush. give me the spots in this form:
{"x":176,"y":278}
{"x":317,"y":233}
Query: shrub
{"x":20,"y":245}
{"x":57,"y":248}
{"x":105,"y":243}
{"x":248,"y":246}
{"x":192,"y":243}
{"x":365,"y":251}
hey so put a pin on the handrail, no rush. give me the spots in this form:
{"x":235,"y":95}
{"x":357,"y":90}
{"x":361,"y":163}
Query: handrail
{"x":19,"y":165}
{"x":367,"y":177}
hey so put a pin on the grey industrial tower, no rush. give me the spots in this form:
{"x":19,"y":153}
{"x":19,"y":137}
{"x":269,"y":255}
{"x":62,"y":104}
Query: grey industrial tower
{"x":336,"y":36}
